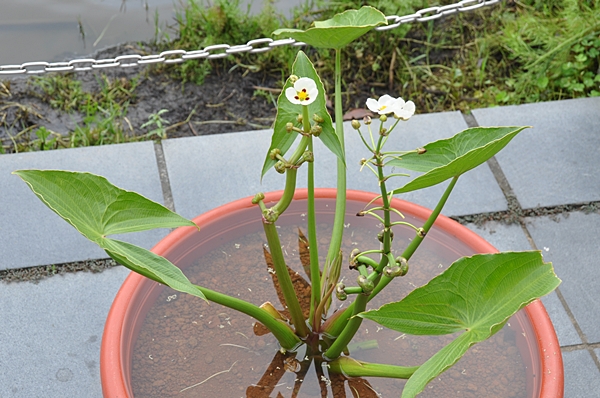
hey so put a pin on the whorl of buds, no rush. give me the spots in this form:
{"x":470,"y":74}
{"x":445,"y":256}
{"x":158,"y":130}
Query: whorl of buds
{"x":318,"y":118}
{"x":340,"y":293}
{"x":355,"y":124}
{"x":274,"y":153}
{"x":257,"y":198}
{"x":280,"y":167}
{"x":366,"y":285}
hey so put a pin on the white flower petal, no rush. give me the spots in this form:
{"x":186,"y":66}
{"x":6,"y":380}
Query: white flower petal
{"x":290,"y":94}
{"x":373,"y":105}
{"x":406,"y":111}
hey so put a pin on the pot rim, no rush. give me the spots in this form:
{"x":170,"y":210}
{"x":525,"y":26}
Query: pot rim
{"x":111,"y":359}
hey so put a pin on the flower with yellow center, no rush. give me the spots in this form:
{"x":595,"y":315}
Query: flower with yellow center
{"x":304,"y":91}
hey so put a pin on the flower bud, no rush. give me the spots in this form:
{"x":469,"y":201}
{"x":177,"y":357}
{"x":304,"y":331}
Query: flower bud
{"x":383,"y":118}
{"x":257,"y":198}
{"x":318,"y":118}
{"x":308,"y":156}
{"x":340,"y":293}
{"x":384,"y":132}
{"x":280,"y":167}
{"x":316,"y":130}
{"x":273,"y":154}
{"x":353,"y":254}
{"x":366,"y":284}
{"x":391,"y":271}
{"x":367,"y":120}
{"x":289,"y":127}
{"x":355,"y":124}
{"x":403,"y":264}
{"x":293,"y":79}
{"x":363,"y":161}
{"x":299,"y":118}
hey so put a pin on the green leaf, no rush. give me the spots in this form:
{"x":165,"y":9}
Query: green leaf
{"x":476,"y":295}
{"x":340,"y":30}
{"x":150,"y":265}
{"x":454,"y":156}
{"x":288,"y":112}
{"x":96,"y":208}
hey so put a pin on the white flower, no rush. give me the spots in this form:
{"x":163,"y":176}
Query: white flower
{"x":404,"y":110}
{"x":388,"y":104}
{"x":304,"y":91}
{"x":384,"y":105}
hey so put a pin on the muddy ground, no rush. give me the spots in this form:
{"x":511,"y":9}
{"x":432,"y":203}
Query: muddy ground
{"x":226,"y":102}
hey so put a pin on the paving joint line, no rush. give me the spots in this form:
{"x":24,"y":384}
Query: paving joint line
{"x":163,"y":175}
{"x":517,"y":211}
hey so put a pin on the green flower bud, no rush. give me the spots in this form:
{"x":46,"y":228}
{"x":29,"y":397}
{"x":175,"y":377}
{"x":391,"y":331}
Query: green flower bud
{"x":316,"y":130}
{"x":293,"y":79}
{"x":366,"y":284}
{"x":383,"y":118}
{"x":257,"y":198}
{"x":355,"y":124}
{"x":308,"y":156}
{"x":280,"y":167}
{"x":353,"y":254}
{"x":289,"y":127}
{"x":403,"y":264}
{"x":340,"y":293}
{"x":273,"y":154}
{"x":299,"y":118}
{"x":318,"y":118}
{"x":392,"y":271}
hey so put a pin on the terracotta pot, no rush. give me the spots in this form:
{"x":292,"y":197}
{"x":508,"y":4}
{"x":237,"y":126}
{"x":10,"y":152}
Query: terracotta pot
{"x":540,"y":349}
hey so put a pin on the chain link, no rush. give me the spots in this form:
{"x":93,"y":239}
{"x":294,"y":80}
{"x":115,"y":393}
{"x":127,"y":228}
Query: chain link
{"x":223,"y":50}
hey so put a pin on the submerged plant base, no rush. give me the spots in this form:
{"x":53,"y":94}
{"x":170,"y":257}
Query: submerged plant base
{"x":187,"y":347}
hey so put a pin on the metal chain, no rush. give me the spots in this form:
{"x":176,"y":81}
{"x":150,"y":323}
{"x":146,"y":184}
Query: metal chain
{"x":224,"y":50}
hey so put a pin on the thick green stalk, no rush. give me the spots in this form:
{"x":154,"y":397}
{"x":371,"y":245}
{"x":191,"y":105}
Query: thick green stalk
{"x":285,"y":282}
{"x":340,"y":200}
{"x":282,"y":332}
{"x":359,"y":305}
{"x":290,"y":181}
{"x":353,"y":368}
{"x":315,"y":270}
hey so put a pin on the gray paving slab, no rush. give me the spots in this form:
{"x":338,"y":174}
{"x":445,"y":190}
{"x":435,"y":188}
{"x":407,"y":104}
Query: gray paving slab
{"x":571,"y":243}
{"x":556,"y":162}
{"x":582,"y":378}
{"x":50,"y":334}
{"x":512,"y":238}
{"x":208,"y":171}
{"x":33,"y":235}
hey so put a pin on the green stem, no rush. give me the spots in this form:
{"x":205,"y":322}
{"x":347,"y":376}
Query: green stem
{"x":340,"y":200}
{"x":359,"y":305}
{"x":285,"y":282}
{"x":290,"y":179}
{"x":315,"y":270}
{"x":353,"y":368}
{"x":281,"y":331}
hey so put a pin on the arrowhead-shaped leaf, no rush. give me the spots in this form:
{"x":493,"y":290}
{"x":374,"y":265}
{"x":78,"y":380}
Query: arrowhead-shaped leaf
{"x":454,"y":156}
{"x":96,"y":208}
{"x":340,"y":30}
{"x":288,"y":112}
{"x":476,"y":295}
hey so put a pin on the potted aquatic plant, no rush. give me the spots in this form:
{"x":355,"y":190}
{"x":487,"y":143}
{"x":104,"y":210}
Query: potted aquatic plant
{"x":474,"y":298}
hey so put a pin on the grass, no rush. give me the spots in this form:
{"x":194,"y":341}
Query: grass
{"x":518,"y":52}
